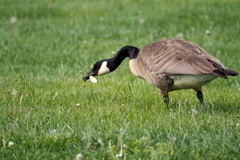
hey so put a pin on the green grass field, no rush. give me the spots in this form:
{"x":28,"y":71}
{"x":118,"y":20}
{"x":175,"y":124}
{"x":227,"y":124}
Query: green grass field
{"x":48,"y":112}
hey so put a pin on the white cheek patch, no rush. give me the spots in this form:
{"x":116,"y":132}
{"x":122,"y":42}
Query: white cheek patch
{"x":93,"y":79}
{"x":104,"y":69}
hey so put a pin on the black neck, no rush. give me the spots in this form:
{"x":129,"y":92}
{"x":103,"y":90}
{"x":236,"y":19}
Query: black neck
{"x":127,"y":51}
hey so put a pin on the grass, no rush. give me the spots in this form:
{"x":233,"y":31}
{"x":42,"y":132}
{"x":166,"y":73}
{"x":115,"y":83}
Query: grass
{"x":48,"y":112}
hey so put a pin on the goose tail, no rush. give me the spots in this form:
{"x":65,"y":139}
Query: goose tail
{"x":224,"y":73}
{"x":230,"y":72}
{"x":221,"y":71}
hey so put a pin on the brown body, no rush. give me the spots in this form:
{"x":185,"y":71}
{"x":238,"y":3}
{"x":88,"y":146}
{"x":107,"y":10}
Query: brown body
{"x":175,"y":64}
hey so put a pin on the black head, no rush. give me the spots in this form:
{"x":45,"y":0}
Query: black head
{"x":99,"y":68}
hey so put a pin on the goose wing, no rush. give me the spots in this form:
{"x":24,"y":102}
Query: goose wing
{"x":176,"y":56}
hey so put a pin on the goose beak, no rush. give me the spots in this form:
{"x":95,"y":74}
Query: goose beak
{"x":86,"y":77}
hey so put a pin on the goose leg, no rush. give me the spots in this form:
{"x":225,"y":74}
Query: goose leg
{"x":166,"y":99}
{"x":200,"y":97}
{"x":165,"y":96}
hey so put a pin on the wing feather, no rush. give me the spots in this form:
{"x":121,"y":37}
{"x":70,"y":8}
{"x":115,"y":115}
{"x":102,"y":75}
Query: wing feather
{"x":176,"y":56}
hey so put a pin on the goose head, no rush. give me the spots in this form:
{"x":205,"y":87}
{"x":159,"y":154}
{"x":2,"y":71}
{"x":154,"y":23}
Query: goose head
{"x":99,"y":68}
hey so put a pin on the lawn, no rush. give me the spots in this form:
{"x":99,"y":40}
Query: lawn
{"x":48,"y":112}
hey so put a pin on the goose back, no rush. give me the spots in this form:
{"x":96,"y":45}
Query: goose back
{"x":176,"y":57}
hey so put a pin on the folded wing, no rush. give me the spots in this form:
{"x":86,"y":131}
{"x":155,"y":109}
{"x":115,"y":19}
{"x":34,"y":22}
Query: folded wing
{"x":176,"y":57}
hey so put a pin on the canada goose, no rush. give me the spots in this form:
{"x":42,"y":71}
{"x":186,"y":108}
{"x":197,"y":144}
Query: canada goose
{"x":168,"y":65}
